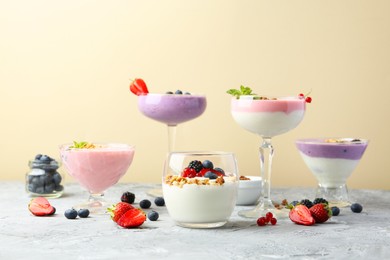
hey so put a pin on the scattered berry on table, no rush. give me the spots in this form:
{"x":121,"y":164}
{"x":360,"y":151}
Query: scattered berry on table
{"x":335,"y":211}
{"x":83,"y":213}
{"x":116,"y":211}
{"x":40,"y":206}
{"x":269,"y":216}
{"x":153,"y":215}
{"x":261,"y":221}
{"x":145,"y":204}
{"x":132,"y":218}
{"x":207,"y":164}
{"x":320,"y":212}
{"x":320,"y":200}
{"x":273,"y":221}
{"x":70,"y":213}
{"x":356,"y":208}
{"x":128,"y":197}
{"x":308,"y":203}
{"x":196,"y":165}
{"x":301,"y":215}
{"x":159,"y":201}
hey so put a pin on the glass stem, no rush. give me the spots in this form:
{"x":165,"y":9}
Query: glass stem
{"x":171,"y":137}
{"x":266,"y":154}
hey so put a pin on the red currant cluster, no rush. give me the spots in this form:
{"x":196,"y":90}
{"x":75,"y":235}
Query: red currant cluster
{"x":269,"y":218}
{"x":307,"y":98}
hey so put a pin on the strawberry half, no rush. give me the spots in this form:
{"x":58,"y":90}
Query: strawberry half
{"x":320,"y":212}
{"x":132,"y":218}
{"x":40,"y":206}
{"x":117,"y":210}
{"x":138,"y":87}
{"x":301,"y":215}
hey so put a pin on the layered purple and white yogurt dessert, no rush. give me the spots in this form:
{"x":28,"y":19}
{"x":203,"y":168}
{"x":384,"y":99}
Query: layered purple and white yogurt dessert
{"x":332,"y":160}
{"x":172,"y":109}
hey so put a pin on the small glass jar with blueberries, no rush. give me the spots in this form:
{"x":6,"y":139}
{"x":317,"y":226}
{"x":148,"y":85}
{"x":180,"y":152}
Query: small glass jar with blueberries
{"x":43,"y":179}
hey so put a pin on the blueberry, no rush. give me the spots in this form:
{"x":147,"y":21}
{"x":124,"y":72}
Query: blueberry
{"x":356,"y":207}
{"x":59,"y":188}
{"x":128,"y":197}
{"x":49,"y":188}
{"x":32,"y":187}
{"x":38,"y":156}
{"x":335,"y":211}
{"x":45,"y":159}
{"x":145,"y":204}
{"x":83,"y":213}
{"x":210,"y":175}
{"x":187,"y":93}
{"x":153,"y":215}
{"x":70,"y":213}
{"x":178,"y":92}
{"x":39,"y":190}
{"x":220,"y":170}
{"x":159,"y":201}
{"x":57,"y":178}
{"x":169,"y":92}
{"x":47,"y":178}
{"x":294,"y":203}
{"x":207,"y":164}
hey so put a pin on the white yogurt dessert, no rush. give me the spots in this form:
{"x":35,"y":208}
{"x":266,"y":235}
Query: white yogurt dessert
{"x":200,"y":188}
{"x":332,"y":161}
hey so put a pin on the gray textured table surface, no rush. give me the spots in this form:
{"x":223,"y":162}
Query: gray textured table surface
{"x":347,"y":236}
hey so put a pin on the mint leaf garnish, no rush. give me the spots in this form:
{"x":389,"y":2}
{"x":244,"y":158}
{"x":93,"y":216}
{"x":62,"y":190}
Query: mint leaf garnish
{"x":243,"y":91}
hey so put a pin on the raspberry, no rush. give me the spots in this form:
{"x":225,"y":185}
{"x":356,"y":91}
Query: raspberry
{"x":189,"y":172}
{"x":196,"y":165}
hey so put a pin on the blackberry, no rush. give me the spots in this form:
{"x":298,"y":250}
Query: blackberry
{"x":307,"y":203}
{"x":320,"y":200}
{"x":128,"y":197}
{"x":196,"y":165}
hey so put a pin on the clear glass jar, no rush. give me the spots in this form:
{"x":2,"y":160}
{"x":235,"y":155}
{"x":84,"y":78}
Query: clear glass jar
{"x":43,"y":179}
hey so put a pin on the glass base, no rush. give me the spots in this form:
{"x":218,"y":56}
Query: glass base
{"x":263,"y":208}
{"x":201,"y":225}
{"x":155,"y":193}
{"x":336,"y":196}
{"x":96,"y":204}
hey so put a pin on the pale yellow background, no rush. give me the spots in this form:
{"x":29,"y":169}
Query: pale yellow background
{"x":65,"y":68}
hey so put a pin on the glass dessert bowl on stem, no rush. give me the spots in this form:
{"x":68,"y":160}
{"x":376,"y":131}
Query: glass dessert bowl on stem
{"x":332,"y":161}
{"x":266,"y":117}
{"x":171,"y":109}
{"x":96,"y":167}
{"x":200,"y":188}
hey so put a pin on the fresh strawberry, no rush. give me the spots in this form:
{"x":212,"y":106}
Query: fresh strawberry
{"x":40,"y":206}
{"x":132,"y":218}
{"x":138,"y":87}
{"x":320,"y":212}
{"x":117,"y":210}
{"x":301,"y":215}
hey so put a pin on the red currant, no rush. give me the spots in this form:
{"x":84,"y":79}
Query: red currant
{"x":273,"y":221}
{"x":308,"y":99}
{"x":301,"y":95}
{"x":261,"y":221}
{"x":269,"y":216}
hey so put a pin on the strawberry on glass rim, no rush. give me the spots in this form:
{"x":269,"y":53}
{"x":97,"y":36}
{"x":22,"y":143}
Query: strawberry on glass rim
{"x":138,"y":87}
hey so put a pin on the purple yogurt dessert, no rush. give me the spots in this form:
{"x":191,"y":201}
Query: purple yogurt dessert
{"x":172,"y":109}
{"x":332,"y":161}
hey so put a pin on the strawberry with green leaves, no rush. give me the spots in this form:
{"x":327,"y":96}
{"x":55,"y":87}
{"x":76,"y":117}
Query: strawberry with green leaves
{"x":132,"y":218}
{"x":117,"y":210}
{"x":321,"y":212}
{"x":301,"y":215}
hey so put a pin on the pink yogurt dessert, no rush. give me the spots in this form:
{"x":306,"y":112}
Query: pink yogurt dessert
{"x":98,"y":168}
{"x":268,"y":117}
{"x":171,"y":109}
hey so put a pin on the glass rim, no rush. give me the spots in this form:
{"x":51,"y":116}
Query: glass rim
{"x":322,"y":141}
